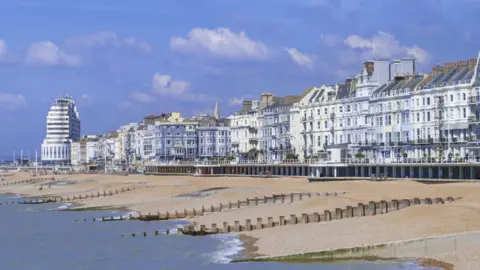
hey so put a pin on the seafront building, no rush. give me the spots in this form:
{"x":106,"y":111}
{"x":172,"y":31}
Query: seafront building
{"x":387,"y":113}
{"x":244,"y":127}
{"x":63,"y":127}
{"x":84,"y":150}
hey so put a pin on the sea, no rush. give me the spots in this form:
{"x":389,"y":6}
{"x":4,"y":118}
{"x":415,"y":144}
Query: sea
{"x":43,"y":237}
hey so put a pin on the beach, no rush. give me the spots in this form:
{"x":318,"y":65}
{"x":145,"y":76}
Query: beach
{"x":153,"y":194}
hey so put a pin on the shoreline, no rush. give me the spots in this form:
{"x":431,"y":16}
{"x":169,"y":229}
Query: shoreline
{"x":250,"y":255}
{"x":161,"y":194}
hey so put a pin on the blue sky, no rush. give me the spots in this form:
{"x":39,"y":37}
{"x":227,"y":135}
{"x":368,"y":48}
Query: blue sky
{"x":122,"y":61}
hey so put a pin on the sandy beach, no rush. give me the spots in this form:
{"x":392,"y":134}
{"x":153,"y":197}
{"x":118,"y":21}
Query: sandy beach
{"x":169,"y":193}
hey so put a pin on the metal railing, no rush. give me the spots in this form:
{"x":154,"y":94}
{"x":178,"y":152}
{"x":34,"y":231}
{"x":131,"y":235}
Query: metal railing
{"x":344,"y":161}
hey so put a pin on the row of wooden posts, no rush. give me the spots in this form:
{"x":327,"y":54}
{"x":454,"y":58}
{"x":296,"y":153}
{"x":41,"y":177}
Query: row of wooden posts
{"x":372,"y":209}
{"x":77,"y":197}
{"x":276,"y":198}
{"x":28,"y":181}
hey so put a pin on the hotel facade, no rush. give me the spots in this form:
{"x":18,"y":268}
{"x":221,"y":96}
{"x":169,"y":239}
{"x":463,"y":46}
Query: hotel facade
{"x":63,"y":127}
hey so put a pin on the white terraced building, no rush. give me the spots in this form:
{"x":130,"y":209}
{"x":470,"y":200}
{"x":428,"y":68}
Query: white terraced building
{"x":63,"y":127}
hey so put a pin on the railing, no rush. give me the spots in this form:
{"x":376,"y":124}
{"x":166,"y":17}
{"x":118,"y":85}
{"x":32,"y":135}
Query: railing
{"x":345,"y":161}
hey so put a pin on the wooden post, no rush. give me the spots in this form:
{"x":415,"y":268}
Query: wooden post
{"x":305,"y":218}
{"x":259,"y":225}
{"x":270,"y":222}
{"x":282,"y":219}
{"x":338,"y":213}
{"x":328,"y":215}
{"x":248,"y":225}
{"x":237,"y":226}
{"x":293,"y":219}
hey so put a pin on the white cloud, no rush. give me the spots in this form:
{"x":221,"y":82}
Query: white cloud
{"x":11,"y":102}
{"x":141,"y":45}
{"x":165,"y":85}
{"x":142,"y":97}
{"x":385,"y":45}
{"x":236,"y":101}
{"x":85,"y":96}
{"x":221,"y":43}
{"x":48,"y":54}
{"x":108,"y":39}
{"x":300,"y":58}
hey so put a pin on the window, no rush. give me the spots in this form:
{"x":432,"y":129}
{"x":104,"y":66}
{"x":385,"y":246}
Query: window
{"x":340,"y":108}
{"x":464,"y":112}
{"x":464,"y":96}
{"x":326,"y":124}
{"x":348,"y":108}
{"x":451,"y":97}
{"x":418,"y":117}
{"x":428,"y":116}
{"x":326,"y":111}
{"x":318,"y":111}
{"x":319,"y":124}
{"x":428,"y":101}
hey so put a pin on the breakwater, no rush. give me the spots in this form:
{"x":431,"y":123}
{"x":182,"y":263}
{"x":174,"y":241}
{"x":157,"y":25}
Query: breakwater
{"x":360,"y":210}
{"x":91,"y":195}
{"x":248,"y":202}
{"x":31,"y":181}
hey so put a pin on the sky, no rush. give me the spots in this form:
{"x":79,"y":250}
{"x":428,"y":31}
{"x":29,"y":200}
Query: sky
{"x":122,"y":61}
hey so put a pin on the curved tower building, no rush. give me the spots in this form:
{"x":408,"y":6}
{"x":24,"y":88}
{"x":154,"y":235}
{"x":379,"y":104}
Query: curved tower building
{"x":63,"y":127}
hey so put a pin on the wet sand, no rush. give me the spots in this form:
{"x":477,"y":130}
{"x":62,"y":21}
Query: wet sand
{"x":163,"y":193}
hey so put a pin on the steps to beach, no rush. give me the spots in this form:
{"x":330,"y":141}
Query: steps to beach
{"x":361,"y":210}
{"x":249,"y":202}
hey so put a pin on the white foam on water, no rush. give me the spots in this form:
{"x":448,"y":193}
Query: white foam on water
{"x":17,"y":196}
{"x":230,"y":246}
{"x":133,"y":213}
{"x":64,"y":206}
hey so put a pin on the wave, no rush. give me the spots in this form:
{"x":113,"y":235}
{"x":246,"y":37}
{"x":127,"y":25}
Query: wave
{"x":64,"y":206}
{"x":16,"y":196}
{"x":230,"y":246}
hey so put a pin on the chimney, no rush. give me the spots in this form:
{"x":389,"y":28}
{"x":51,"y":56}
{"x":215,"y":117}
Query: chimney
{"x":266,"y":99}
{"x":246,"y":105}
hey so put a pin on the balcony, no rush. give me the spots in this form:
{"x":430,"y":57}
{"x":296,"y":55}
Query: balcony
{"x":253,"y":129}
{"x":472,"y":118}
{"x":474,"y":100}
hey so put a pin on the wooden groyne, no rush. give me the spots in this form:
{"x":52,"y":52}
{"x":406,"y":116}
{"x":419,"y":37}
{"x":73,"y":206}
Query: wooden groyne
{"x":361,"y":210}
{"x":249,"y":202}
{"x":78,"y":197}
{"x":31,"y":181}
{"x":155,"y":233}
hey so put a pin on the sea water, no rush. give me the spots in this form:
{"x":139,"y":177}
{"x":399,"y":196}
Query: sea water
{"x":42,"y":237}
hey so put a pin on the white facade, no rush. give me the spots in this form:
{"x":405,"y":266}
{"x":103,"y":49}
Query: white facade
{"x":244,"y":127}
{"x":63,"y":127}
